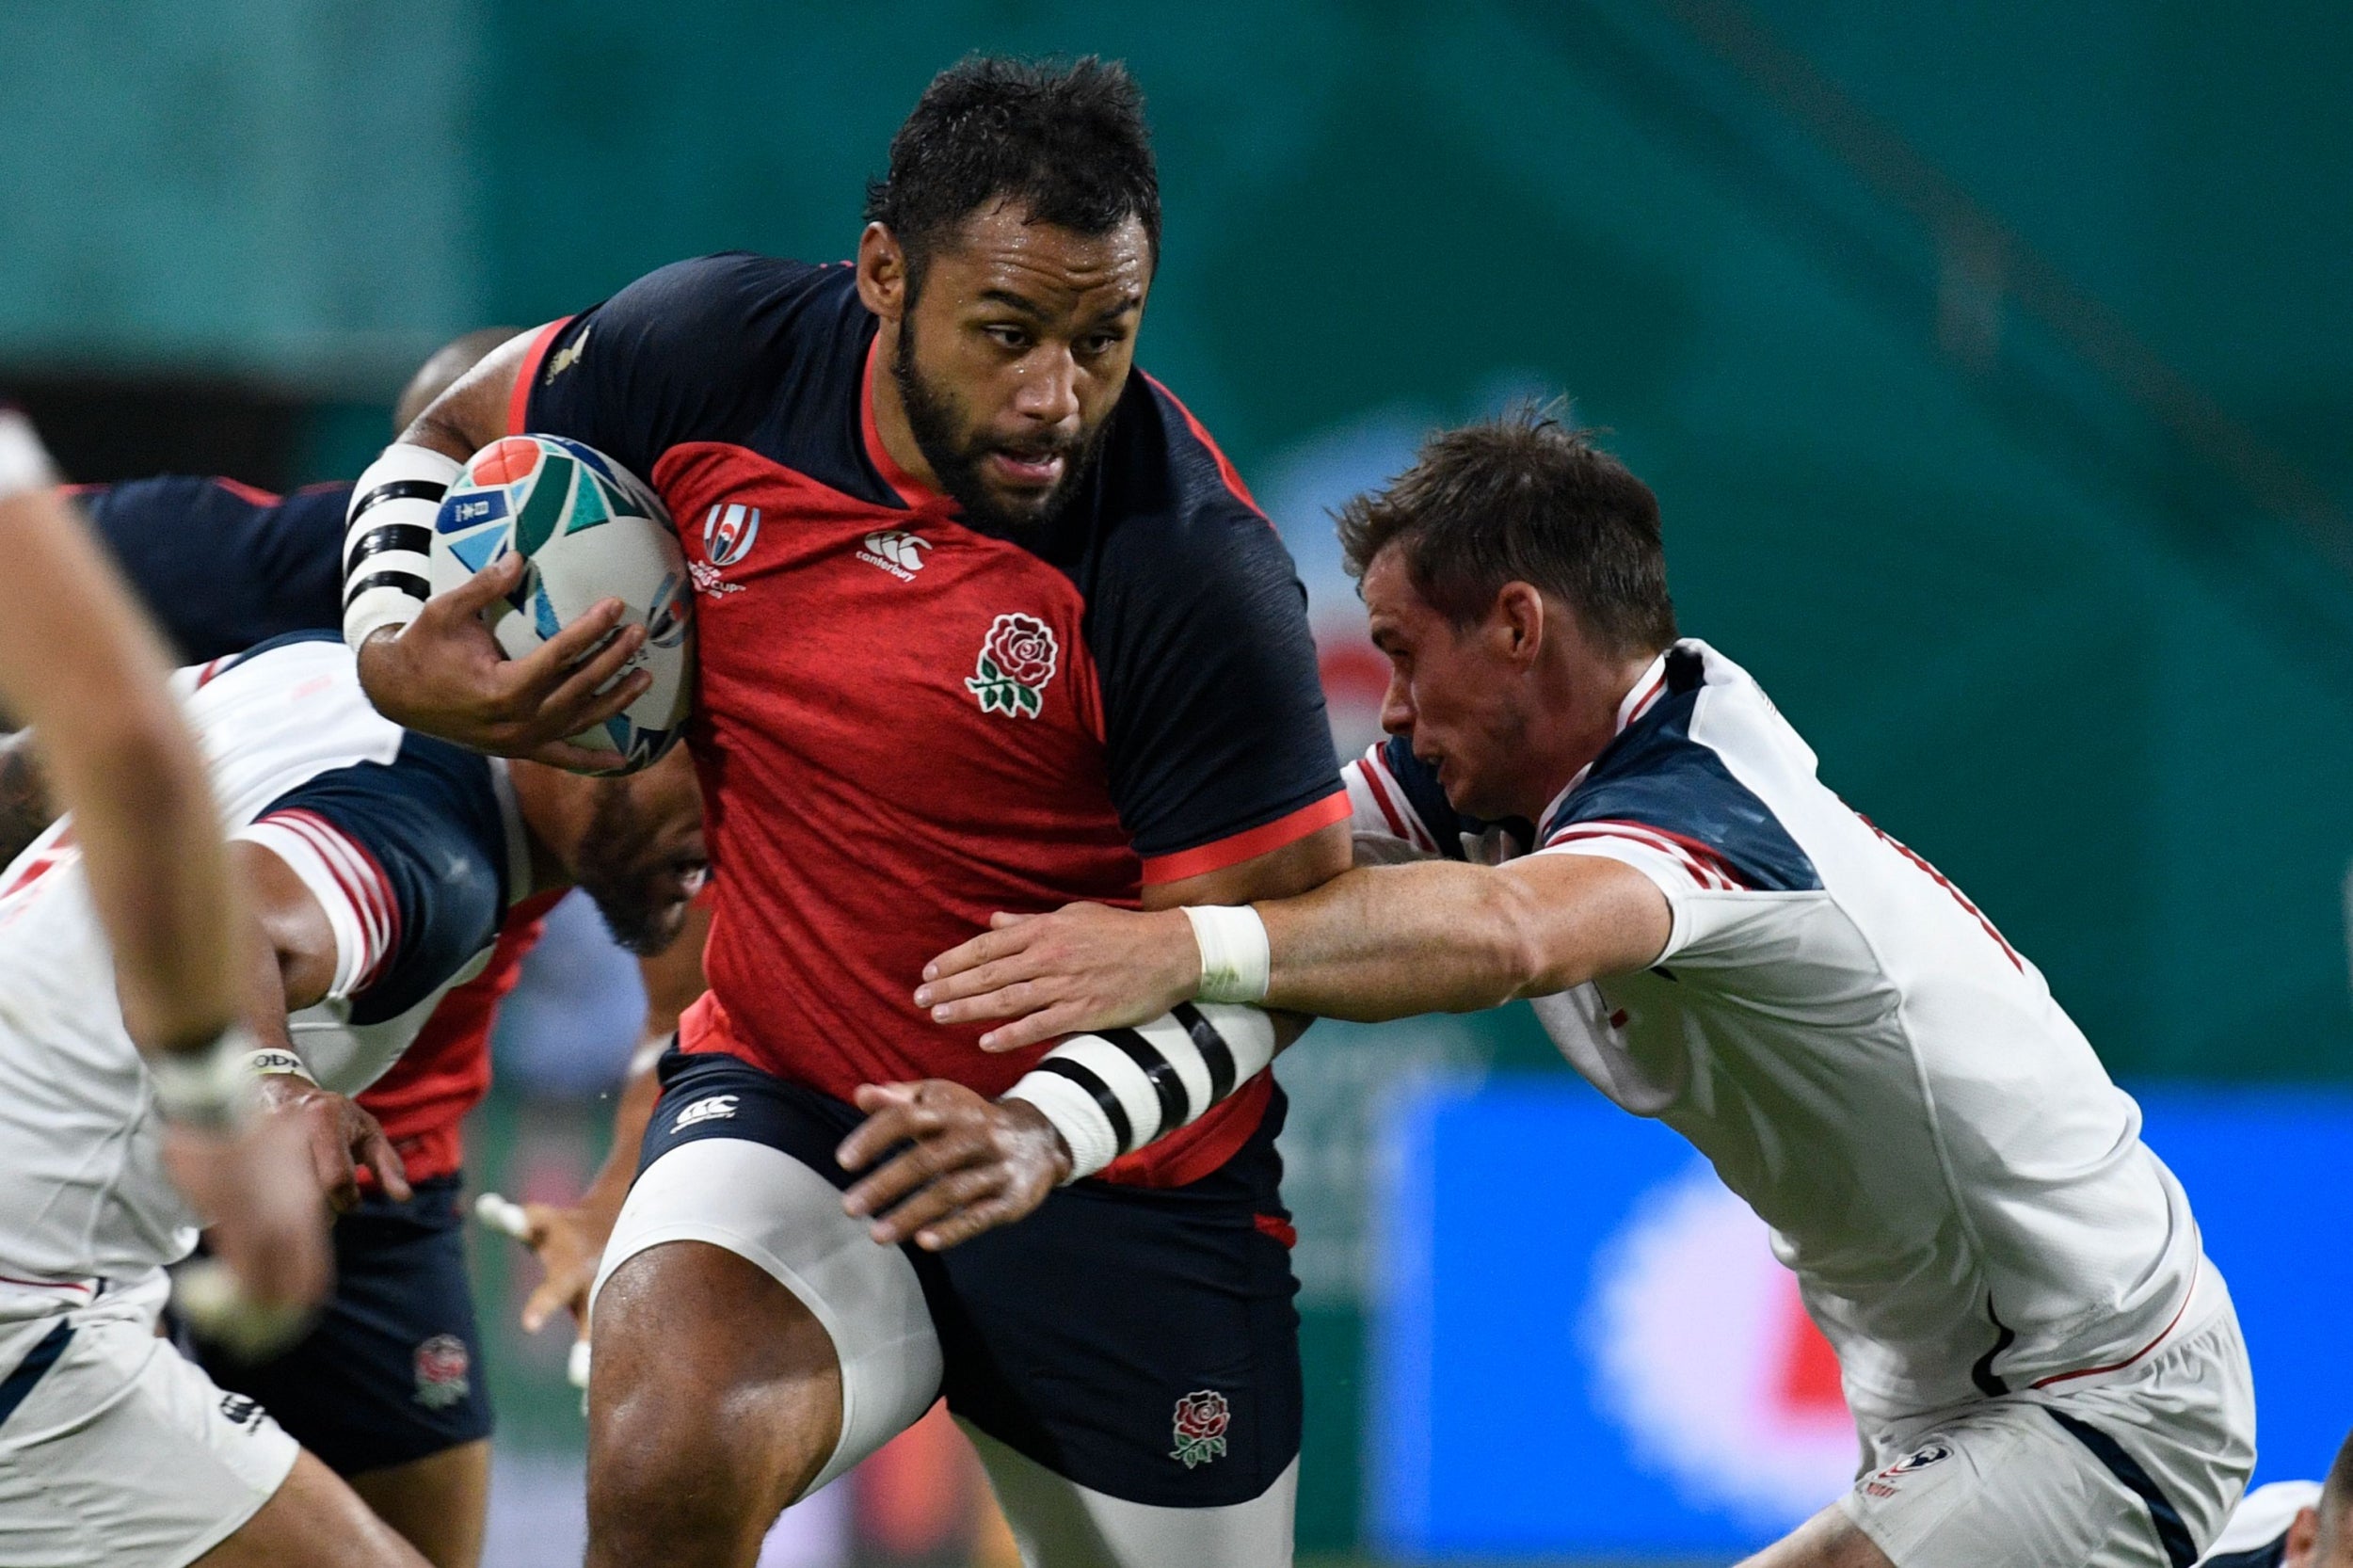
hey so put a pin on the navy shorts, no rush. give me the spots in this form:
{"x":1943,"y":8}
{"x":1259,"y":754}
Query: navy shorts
{"x":1139,"y":1341}
{"x":393,"y":1370}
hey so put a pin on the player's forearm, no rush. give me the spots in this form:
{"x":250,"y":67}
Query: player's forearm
{"x":81,"y":666}
{"x":1391,"y":942}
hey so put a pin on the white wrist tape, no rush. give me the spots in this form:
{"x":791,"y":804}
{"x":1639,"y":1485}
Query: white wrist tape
{"x":23,"y":461}
{"x":1236,"y":963}
{"x":1113,"y":1093}
{"x":276,"y":1058}
{"x":387,"y":538}
{"x":212,"y":1089}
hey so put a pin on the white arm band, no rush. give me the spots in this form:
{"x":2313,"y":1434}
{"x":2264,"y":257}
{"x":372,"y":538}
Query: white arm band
{"x":24,"y":462}
{"x":1113,"y":1093}
{"x":387,"y":538}
{"x":1236,"y":963}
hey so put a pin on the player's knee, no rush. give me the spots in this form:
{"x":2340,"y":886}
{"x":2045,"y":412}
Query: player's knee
{"x":660,"y":1489}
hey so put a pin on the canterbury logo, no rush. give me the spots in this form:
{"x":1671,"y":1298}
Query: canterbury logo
{"x":717,"y":1107}
{"x":898,"y":553}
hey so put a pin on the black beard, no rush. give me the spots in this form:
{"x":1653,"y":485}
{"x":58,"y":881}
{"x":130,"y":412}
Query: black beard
{"x":933,"y":418}
{"x":635,"y":893}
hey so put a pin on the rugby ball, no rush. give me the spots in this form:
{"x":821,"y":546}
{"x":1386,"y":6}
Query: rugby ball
{"x":591,"y":530}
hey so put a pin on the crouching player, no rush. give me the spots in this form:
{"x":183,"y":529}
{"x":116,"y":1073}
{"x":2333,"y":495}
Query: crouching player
{"x":380,"y":865}
{"x":2043,"y":1365}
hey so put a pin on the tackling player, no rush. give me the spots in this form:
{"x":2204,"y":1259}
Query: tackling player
{"x":984,"y":618}
{"x":387,"y":1386}
{"x":76,"y":658}
{"x":380,"y":865}
{"x":2043,"y":1366}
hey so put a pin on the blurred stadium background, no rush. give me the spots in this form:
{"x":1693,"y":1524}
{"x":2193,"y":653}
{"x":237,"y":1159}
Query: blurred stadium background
{"x":1991,"y":361}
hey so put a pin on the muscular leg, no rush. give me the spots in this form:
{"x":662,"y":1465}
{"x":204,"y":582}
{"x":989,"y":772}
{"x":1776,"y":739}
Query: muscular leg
{"x":716,"y":1398}
{"x":1828,"y":1540}
{"x":440,"y":1503}
{"x":313,"y":1521}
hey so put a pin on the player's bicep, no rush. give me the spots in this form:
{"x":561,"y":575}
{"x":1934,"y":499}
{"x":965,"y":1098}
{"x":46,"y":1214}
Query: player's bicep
{"x":293,"y":923}
{"x":1583,"y":917}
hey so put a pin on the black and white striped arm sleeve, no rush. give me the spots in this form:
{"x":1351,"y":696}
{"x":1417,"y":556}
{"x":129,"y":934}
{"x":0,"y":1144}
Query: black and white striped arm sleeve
{"x":387,"y":538}
{"x":1111,"y":1092}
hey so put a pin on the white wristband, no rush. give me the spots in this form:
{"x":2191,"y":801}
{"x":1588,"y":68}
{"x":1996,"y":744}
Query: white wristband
{"x":211,"y":1089}
{"x":387,"y":538}
{"x":1236,"y":963}
{"x":1082,"y":1122}
{"x":24,"y":462}
{"x":276,"y":1058}
{"x":1115,"y":1092}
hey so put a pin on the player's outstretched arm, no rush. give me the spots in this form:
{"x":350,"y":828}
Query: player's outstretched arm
{"x":1380,"y":942}
{"x":431,"y":665}
{"x":970,"y":1164}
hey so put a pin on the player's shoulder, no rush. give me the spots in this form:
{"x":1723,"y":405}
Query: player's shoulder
{"x":734,"y":305}
{"x":1175,"y":511}
{"x":1689,"y":770}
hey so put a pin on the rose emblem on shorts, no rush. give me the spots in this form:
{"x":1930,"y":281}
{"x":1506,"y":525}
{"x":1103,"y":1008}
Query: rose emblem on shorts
{"x":442,"y":1365}
{"x":1201,"y":1421}
{"x":1016,"y":661}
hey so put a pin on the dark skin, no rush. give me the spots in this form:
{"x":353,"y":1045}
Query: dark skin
{"x":716,"y":1396}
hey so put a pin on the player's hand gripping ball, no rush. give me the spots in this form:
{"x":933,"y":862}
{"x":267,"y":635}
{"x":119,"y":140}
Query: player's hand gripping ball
{"x":591,"y":530}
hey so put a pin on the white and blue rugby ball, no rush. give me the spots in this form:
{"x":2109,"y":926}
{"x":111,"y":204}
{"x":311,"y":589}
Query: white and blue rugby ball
{"x":592,"y":531}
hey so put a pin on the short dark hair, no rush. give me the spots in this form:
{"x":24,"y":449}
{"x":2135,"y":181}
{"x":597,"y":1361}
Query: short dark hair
{"x":1065,"y":140}
{"x":1523,"y":497}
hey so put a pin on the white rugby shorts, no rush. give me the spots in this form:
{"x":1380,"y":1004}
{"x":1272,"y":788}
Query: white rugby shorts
{"x":2135,"y":1468}
{"x":115,"y":1451}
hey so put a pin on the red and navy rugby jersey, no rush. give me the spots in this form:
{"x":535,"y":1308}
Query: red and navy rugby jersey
{"x":905,"y":721}
{"x":222,"y":567}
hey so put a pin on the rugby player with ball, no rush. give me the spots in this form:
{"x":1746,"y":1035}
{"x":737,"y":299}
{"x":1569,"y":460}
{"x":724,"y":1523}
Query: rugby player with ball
{"x":984,"y":618}
{"x":1615,"y":821}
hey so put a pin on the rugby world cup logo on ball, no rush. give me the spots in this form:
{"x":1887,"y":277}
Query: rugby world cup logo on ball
{"x":591,"y":531}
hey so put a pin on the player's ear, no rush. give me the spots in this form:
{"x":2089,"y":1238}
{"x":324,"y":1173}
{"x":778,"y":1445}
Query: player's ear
{"x":1519,"y":620}
{"x":2303,"y":1536}
{"x":882,"y":272}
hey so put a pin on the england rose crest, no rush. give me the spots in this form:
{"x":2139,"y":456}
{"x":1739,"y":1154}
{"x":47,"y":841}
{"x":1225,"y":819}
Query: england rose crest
{"x":442,"y":1368}
{"x":1201,"y":1421}
{"x":1016,"y":661}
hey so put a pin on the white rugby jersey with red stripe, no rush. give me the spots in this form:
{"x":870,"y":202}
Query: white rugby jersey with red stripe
{"x":412,"y":847}
{"x":1961,"y":1190}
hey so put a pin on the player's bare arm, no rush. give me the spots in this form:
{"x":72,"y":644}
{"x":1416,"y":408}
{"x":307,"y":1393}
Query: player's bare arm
{"x":975,"y":1164}
{"x":295,"y":967}
{"x":1380,"y":942}
{"x":438,"y":670}
{"x":80,"y":663}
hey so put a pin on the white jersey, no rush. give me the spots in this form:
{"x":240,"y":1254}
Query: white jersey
{"x":410,"y":847}
{"x":1961,"y":1189}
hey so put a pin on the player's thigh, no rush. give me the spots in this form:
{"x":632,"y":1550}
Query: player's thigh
{"x":314,"y":1520}
{"x":439,"y":1504}
{"x":115,"y":1450}
{"x":741,"y":1313}
{"x":1059,"y":1524}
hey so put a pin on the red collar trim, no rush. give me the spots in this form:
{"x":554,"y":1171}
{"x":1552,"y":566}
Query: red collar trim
{"x":913,"y":493}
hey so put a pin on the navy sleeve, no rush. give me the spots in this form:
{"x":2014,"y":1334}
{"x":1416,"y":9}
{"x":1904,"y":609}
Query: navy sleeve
{"x":692,"y":352}
{"x":1214,"y":711}
{"x":430,"y":873}
{"x":222,"y":566}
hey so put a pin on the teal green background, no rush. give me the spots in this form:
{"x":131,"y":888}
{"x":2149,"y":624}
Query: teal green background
{"x":2032,"y":627}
